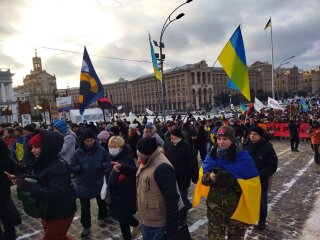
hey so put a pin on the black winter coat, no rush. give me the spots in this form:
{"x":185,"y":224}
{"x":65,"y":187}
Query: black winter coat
{"x":54,"y":185}
{"x":122,"y":187}
{"x":265,"y":159}
{"x":184,"y":161}
{"x":294,"y":130}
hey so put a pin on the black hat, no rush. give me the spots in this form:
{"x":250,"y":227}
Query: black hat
{"x":177,"y":132}
{"x":258,"y":130}
{"x":147,"y":145}
{"x":88,"y":133}
{"x":29,"y":127}
{"x":115,"y":130}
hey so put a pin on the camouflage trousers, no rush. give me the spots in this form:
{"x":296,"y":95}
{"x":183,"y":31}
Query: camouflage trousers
{"x":221,"y":225}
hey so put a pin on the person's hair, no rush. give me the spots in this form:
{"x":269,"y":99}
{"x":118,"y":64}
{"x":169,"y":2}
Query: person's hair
{"x":116,"y":140}
{"x":232,"y":152}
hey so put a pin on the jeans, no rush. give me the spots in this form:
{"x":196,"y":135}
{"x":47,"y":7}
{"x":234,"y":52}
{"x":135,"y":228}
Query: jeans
{"x":125,"y":226}
{"x":85,"y":211}
{"x":264,"y":201}
{"x":152,"y":233}
{"x":187,"y":205}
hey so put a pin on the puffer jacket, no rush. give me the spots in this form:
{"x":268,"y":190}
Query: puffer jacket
{"x":53,"y":186}
{"x":89,"y":167}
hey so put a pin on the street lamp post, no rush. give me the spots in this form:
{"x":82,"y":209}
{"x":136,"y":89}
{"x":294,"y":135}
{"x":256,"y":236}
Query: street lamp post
{"x":162,"y":56}
{"x":284,"y":62}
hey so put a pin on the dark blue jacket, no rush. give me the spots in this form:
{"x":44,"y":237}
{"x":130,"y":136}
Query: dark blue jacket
{"x":89,"y":167}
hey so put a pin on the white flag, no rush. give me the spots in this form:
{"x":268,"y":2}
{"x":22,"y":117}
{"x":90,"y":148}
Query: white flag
{"x":119,"y":107}
{"x":258,"y":105}
{"x":272,"y":103}
{"x":149,"y":111}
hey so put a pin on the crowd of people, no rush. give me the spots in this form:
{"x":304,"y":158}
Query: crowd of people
{"x":137,"y":166}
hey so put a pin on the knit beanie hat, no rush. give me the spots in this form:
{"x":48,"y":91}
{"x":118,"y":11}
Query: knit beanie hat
{"x":88,"y":133}
{"x":61,"y":125}
{"x":147,"y":145}
{"x":103,"y":135}
{"x":228,"y":132}
{"x":258,"y":130}
{"x":35,"y":141}
{"x":29,"y":128}
{"x":149,"y":125}
{"x":177,"y":132}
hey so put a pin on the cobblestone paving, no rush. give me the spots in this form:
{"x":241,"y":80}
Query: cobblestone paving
{"x":293,"y":192}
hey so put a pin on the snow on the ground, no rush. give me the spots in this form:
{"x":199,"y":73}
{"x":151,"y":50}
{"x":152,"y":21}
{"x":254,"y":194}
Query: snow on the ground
{"x":311,"y":230}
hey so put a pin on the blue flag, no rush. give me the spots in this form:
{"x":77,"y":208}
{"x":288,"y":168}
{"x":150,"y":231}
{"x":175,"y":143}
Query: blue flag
{"x":304,"y":105}
{"x":91,"y":88}
{"x":231,"y":85}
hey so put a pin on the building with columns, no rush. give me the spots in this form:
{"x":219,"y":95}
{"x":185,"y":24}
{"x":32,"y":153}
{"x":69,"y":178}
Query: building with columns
{"x":38,"y":86}
{"x":8,"y":105}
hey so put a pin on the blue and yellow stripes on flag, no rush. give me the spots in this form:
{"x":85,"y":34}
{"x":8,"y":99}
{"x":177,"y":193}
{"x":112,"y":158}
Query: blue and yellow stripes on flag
{"x":156,"y":70}
{"x":243,"y":108}
{"x":246,"y":173}
{"x":233,"y":60}
{"x":91,"y":88}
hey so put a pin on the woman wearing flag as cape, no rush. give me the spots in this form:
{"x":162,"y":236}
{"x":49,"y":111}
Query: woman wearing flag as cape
{"x":233,"y":201}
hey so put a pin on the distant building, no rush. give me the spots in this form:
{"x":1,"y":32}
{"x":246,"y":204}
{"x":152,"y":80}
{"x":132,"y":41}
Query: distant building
{"x":8,"y":105}
{"x":315,"y":76}
{"x":38,"y":86}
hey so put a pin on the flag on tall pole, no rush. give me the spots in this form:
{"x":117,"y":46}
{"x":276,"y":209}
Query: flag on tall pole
{"x":154,"y":62}
{"x":233,"y":60}
{"x":269,"y":25}
{"x":91,"y":88}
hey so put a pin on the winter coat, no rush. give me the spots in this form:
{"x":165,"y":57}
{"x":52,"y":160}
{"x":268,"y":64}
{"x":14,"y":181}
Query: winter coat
{"x":265,"y":159}
{"x":294,"y":131}
{"x":69,"y":146}
{"x":184,"y":161}
{"x":314,"y":133}
{"x":53,"y":186}
{"x":201,"y":135}
{"x":121,"y":187}
{"x":5,"y":165}
{"x":89,"y":168}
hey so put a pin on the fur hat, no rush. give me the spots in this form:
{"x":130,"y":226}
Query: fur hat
{"x":61,"y":125}
{"x":177,"y":132}
{"x":35,"y":141}
{"x":103,"y":135}
{"x":147,"y":145}
{"x":258,"y":130}
{"x":228,"y":132}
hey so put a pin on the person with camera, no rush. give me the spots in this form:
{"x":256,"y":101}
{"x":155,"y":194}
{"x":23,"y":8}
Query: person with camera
{"x":222,"y":167}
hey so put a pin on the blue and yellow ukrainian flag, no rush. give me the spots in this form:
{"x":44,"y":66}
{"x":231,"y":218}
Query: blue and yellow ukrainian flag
{"x":246,"y":173}
{"x":91,"y":88}
{"x":243,"y":108}
{"x":233,"y":60}
{"x":154,"y":62}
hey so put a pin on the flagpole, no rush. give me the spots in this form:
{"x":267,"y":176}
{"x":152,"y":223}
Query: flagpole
{"x":272,"y":64}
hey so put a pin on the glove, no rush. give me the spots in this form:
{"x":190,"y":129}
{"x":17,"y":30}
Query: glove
{"x":23,"y":184}
{"x":122,"y":177}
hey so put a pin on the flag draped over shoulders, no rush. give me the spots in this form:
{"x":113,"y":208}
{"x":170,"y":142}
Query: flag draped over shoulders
{"x":246,"y":173}
{"x":200,"y":190}
{"x":233,"y":60}
{"x":91,"y":88}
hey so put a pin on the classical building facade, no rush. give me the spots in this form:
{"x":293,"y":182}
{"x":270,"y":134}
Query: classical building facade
{"x":8,"y":105}
{"x":38,"y":86}
{"x":288,"y":82}
{"x":315,"y":79}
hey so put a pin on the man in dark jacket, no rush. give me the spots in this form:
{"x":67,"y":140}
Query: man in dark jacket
{"x":294,"y":134}
{"x":89,"y":163}
{"x":199,"y":140}
{"x":184,"y":161}
{"x":266,"y":161}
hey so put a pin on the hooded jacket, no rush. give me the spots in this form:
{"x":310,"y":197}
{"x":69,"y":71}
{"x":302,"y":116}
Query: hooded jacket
{"x":53,"y":185}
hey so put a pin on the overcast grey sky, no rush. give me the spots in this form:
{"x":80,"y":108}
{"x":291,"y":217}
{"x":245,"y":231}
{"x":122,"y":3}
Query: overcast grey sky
{"x":119,"y":29}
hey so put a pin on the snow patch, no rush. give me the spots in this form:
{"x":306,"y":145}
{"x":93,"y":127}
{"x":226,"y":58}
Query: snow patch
{"x":198,"y":224}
